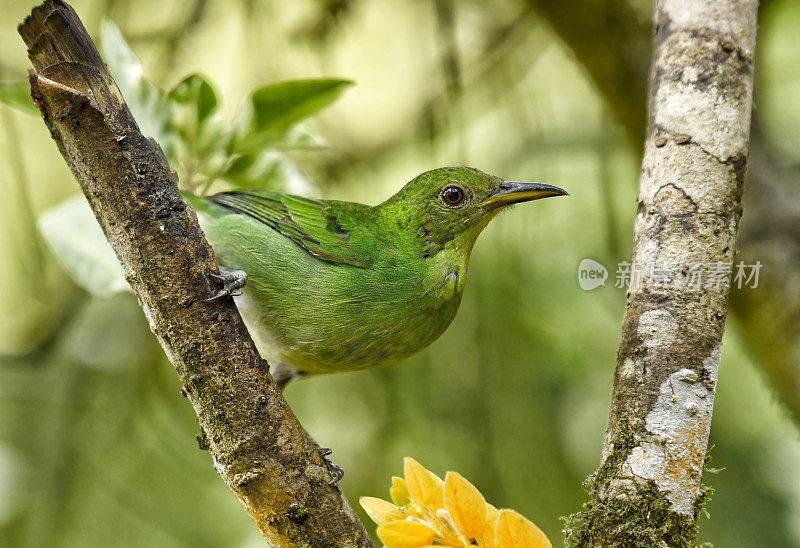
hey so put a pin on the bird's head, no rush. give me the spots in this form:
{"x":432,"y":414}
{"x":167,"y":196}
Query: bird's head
{"x":453,"y":204}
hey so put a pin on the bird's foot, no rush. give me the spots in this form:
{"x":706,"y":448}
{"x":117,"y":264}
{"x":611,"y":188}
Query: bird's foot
{"x":333,"y":468}
{"x":232,"y":282}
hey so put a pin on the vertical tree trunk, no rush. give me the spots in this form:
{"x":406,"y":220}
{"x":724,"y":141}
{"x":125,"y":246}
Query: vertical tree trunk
{"x":770,"y":314}
{"x":647,"y":490}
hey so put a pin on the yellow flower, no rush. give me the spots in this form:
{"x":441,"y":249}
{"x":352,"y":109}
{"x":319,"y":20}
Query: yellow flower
{"x":429,"y":512}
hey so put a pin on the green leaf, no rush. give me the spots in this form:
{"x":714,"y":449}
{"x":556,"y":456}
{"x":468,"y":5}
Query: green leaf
{"x":73,"y":235}
{"x":195,"y":90}
{"x":18,"y":95}
{"x":199,"y":149}
{"x":148,"y":104}
{"x":277,"y":107}
{"x":201,"y":146}
{"x":269,"y":170}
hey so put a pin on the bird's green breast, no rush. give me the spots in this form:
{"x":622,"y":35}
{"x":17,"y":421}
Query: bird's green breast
{"x":319,"y":316}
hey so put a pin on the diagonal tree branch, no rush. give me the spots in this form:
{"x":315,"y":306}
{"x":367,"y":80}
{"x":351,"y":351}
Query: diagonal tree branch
{"x":259,"y":447}
{"x":647,"y":490}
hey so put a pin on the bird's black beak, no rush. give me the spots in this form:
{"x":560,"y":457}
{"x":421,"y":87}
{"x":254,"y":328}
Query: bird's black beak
{"x":510,"y":192}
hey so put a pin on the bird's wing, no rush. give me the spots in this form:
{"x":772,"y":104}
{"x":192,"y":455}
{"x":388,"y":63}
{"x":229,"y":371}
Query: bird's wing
{"x":313,"y":224}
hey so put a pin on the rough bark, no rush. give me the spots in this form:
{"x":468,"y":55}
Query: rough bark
{"x":647,"y":490}
{"x":770,"y":314}
{"x":258,"y":446}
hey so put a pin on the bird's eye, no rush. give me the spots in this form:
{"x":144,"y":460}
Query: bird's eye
{"x":453,"y":195}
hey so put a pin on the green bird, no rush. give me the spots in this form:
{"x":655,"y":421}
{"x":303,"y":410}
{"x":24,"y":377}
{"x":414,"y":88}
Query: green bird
{"x":340,"y":286}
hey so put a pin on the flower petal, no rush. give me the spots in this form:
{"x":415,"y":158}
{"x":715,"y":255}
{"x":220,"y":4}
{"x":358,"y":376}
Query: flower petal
{"x":406,"y":534}
{"x":381,"y":511}
{"x":465,"y":504}
{"x":513,"y":530}
{"x":399,"y":492}
{"x":487,"y":540}
{"x":425,"y":487}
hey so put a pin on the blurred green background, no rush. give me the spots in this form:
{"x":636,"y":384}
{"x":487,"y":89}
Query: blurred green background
{"x":97,"y":448}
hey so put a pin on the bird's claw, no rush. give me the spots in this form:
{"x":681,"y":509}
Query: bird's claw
{"x":232,"y":282}
{"x":336,"y":470}
{"x":333,"y":468}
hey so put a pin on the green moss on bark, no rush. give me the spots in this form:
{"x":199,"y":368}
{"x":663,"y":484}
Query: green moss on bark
{"x":643,"y":518}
